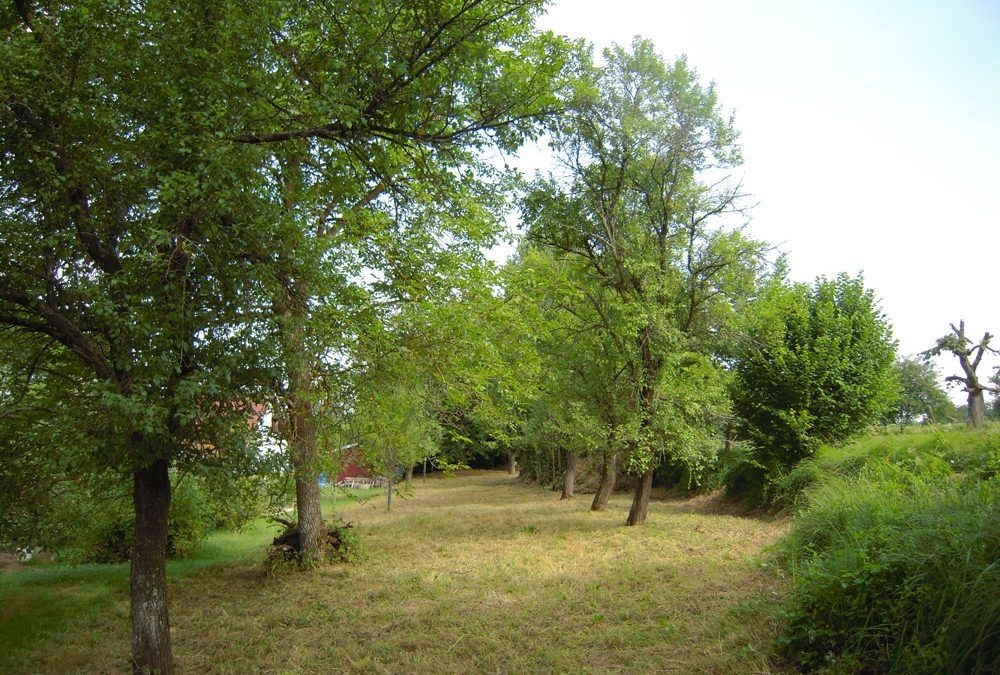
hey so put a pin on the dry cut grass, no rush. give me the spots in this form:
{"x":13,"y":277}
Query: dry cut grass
{"x":478,"y":573}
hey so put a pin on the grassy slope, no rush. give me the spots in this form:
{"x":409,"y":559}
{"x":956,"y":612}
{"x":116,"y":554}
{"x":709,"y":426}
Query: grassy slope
{"x":475,"y":573}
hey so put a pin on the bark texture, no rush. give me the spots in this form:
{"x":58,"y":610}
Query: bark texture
{"x":305,"y":458}
{"x":409,"y":473}
{"x":609,"y":476}
{"x":640,"y":499}
{"x":977,"y":408}
{"x":512,"y":463}
{"x":151,"y":651}
{"x":569,"y":476}
{"x":301,"y":427}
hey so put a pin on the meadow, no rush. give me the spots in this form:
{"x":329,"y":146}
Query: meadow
{"x":471,"y":573}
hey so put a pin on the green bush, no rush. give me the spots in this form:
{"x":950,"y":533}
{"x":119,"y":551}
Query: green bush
{"x":105,"y":535}
{"x":896,"y":570}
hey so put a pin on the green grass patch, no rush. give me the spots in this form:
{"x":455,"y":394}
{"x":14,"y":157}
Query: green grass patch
{"x":896,"y":559}
{"x":47,"y":601}
{"x":924,"y":451}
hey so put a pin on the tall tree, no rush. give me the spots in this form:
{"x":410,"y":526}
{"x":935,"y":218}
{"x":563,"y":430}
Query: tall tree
{"x":969,"y":355}
{"x":384,"y":109}
{"x":633,"y":209}
{"x":129,"y":226}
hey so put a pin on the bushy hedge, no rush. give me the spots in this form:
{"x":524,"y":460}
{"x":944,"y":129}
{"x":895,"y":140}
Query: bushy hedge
{"x":897,"y":569}
{"x":924,"y":450}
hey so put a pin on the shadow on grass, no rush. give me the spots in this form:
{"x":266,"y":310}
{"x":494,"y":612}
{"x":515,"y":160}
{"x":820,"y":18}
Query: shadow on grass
{"x":38,"y":602}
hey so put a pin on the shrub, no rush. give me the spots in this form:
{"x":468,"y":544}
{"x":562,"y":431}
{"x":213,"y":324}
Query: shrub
{"x":896,"y":570}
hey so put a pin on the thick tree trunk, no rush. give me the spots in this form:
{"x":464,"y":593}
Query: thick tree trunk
{"x":512,"y":463}
{"x":409,"y":473}
{"x":302,"y":442}
{"x":301,"y":431}
{"x":977,"y":408}
{"x":569,"y":476}
{"x":150,"y":624}
{"x":609,"y":476}
{"x":640,"y":499}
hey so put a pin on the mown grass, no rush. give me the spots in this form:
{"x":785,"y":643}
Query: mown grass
{"x":46,"y":603}
{"x":477,"y":573}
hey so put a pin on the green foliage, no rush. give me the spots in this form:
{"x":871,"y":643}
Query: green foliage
{"x":100,"y":527}
{"x":816,"y":367}
{"x":895,"y":570}
{"x":919,"y":394}
{"x":638,"y":279}
{"x":933,"y":451}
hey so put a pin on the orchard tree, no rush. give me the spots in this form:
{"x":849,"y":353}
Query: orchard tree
{"x":379,"y":115}
{"x":632,"y":209}
{"x":131,"y":230}
{"x":816,"y":367}
{"x":969,"y":355}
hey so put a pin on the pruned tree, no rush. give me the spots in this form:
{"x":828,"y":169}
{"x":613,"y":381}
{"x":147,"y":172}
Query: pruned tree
{"x":970,"y":355}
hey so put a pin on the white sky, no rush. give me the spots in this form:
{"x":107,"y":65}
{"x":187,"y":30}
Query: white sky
{"x":870,"y":131}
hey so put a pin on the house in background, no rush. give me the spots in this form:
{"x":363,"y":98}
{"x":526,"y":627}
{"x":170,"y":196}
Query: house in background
{"x":354,"y":470}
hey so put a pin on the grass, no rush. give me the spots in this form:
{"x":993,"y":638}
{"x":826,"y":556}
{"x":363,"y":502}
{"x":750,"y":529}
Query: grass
{"x":940,"y":451}
{"x":894,"y":553}
{"x":475,"y":573}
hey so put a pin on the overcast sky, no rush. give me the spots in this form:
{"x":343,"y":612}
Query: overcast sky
{"x":871,"y":136}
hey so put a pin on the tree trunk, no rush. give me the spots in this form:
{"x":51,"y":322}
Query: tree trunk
{"x":150,"y":624}
{"x":305,"y":460}
{"x":569,"y":476}
{"x":640,"y":499}
{"x":512,"y":463}
{"x":977,"y":408}
{"x":301,"y":431}
{"x":609,"y":476}
{"x":409,"y":474}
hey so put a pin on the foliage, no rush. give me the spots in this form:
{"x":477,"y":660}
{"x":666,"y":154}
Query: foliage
{"x":895,"y":570}
{"x":642,"y":285}
{"x":816,"y":367}
{"x":919,"y":397}
{"x":925,"y":452}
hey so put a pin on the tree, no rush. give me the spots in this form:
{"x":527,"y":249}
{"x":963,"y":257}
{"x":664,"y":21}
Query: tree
{"x":919,"y":395}
{"x":380,"y":112}
{"x":969,"y":355}
{"x":631,"y":210}
{"x":132,"y":230}
{"x":816,"y":367}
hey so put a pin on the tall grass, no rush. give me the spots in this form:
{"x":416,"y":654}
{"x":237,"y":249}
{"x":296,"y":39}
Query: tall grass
{"x":924,"y":451}
{"x":897,"y":569}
